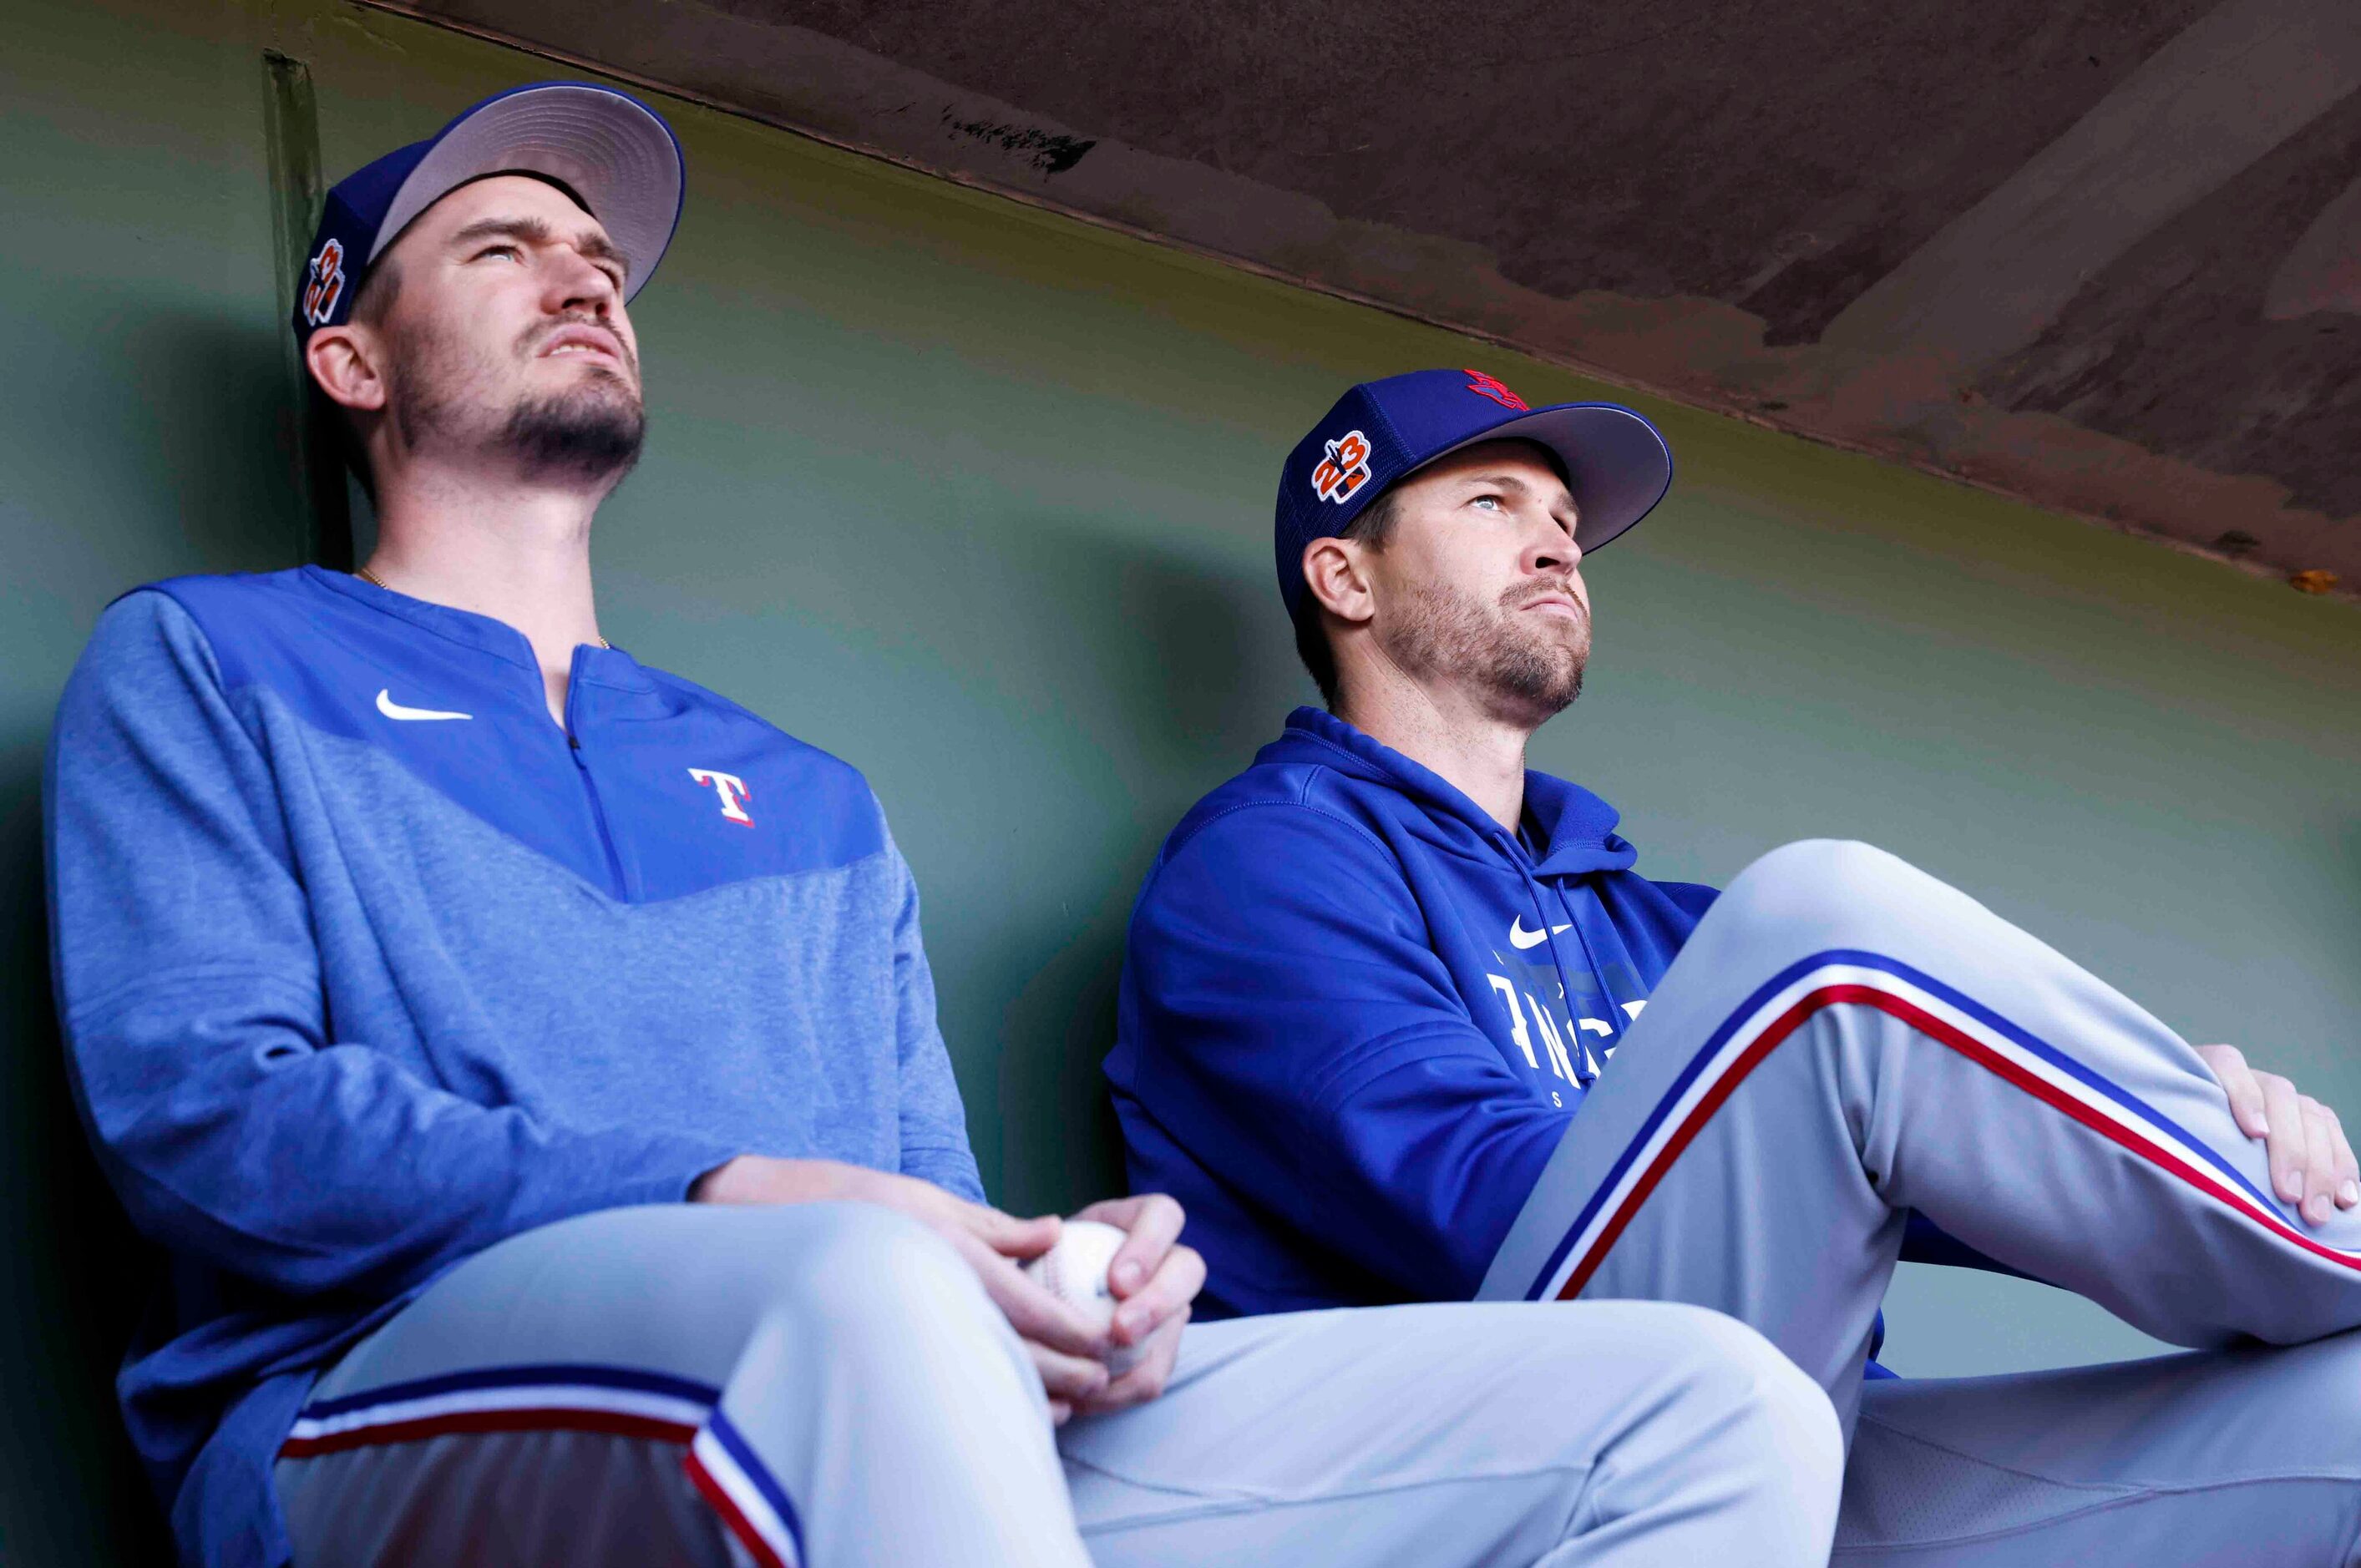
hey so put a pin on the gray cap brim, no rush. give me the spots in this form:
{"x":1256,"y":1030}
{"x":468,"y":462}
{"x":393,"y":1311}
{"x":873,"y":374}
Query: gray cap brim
{"x":1617,"y":464}
{"x":607,"y":147}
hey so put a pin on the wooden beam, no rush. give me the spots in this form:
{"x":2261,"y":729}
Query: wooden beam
{"x":291,"y":119}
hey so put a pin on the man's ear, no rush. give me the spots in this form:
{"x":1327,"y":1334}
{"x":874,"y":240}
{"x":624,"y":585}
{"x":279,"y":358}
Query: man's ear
{"x":1335,"y":572}
{"x":347,"y":362}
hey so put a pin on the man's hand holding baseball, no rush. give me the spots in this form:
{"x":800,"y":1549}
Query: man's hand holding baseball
{"x":1153,"y":1276}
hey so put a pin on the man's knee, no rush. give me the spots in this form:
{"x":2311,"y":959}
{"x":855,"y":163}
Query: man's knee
{"x":1710,"y":1385}
{"x":853,"y":1275}
{"x":877,"y":1309}
{"x":857,"y":1273}
{"x":1713,"y":1418}
{"x":1817,"y":883}
{"x":1736,"y":1376}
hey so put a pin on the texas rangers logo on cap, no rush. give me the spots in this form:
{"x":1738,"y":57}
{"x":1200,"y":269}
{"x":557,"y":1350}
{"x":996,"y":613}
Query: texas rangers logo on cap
{"x":1492,"y":387}
{"x":1344,"y":469}
{"x":324,"y":283}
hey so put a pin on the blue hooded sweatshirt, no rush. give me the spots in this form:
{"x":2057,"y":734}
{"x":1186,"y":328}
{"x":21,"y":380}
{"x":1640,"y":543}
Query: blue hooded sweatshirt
{"x":365,"y":964}
{"x":1358,"y":1015}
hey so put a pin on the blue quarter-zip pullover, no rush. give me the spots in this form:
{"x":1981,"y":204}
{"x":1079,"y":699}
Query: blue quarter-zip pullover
{"x":365,"y":964}
{"x":1357,"y":1014}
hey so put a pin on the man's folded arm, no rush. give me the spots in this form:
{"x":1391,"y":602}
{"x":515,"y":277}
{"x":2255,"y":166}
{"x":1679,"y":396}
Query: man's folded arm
{"x":1295,"y":1031}
{"x":234,"y":1129}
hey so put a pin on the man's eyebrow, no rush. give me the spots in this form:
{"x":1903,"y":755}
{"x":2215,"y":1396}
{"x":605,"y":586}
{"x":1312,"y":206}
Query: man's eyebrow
{"x":590,"y":243}
{"x":531,"y":230}
{"x":599,"y":247}
{"x":1512,"y":482}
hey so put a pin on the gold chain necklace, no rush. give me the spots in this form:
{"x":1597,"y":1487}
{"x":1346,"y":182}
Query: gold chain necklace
{"x":365,"y":574}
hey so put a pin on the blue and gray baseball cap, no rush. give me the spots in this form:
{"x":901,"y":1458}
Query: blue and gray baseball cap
{"x":613,"y":153}
{"x":1616,"y":462}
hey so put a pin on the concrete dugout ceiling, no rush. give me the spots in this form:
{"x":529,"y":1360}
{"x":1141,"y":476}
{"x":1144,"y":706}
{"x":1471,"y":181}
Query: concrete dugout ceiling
{"x":2104,"y":255}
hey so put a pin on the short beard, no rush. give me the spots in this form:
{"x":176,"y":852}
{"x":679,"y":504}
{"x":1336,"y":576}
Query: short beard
{"x":1529,"y":676}
{"x":590,"y":433}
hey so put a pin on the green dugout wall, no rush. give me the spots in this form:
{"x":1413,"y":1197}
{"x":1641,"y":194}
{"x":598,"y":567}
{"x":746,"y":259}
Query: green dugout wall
{"x":979,"y":497}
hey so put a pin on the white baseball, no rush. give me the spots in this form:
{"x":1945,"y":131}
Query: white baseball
{"x":1075,"y":1272}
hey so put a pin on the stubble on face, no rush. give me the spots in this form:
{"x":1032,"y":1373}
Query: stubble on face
{"x":446,"y":392}
{"x":1530,"y":668}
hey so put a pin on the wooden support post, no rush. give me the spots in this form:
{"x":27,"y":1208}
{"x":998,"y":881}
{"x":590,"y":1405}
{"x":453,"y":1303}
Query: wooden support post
{"x":291,"y":133}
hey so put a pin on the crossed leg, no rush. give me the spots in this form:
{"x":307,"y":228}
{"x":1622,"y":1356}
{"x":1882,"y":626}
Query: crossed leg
{"x":1846,"y":1039}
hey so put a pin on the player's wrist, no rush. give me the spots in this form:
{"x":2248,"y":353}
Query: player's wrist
{"x":722,"y":1184}
{"x":765,"y":1178}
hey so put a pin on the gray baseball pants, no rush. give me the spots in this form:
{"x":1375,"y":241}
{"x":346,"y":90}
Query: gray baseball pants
{"x":828,"y":1385}
{"x":1845,"y":1039}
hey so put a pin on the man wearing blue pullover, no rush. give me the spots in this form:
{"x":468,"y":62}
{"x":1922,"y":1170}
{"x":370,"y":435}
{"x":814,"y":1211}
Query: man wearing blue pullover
{"x":527,"y":1062}
{"x":1401,"y":1022}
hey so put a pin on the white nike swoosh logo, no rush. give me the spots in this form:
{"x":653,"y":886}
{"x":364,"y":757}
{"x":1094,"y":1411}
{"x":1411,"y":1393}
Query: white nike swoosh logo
{"x":392,"y":709}
{"x":1521,"y":937}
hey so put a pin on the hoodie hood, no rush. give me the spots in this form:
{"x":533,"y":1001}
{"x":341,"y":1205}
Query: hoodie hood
{"x":1357,"y":1013}
{"x":1572,"y":830}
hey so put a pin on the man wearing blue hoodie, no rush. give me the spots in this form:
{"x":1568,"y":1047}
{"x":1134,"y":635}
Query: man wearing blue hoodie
{"x":526,"y":1060}
{"x":1401,"y":1022}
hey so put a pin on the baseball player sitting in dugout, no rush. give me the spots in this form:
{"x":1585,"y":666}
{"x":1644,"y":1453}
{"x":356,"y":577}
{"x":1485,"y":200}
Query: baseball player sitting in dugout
{"x":528,"y":1063}
{"x":1399,"y":1022}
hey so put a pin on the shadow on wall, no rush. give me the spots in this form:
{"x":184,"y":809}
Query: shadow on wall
{"x":191,"y":406}
{"x":197,"y":396}
{"x":215,"y":386}
{"x":1175,"y":673}
{"x":77,"y":1277}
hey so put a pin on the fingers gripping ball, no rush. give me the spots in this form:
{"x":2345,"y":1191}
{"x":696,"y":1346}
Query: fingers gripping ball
{"x":1075,"y":1271}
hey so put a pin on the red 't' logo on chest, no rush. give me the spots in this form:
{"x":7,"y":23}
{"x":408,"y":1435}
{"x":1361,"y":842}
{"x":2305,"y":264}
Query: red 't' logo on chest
{"x":732,"y":789}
